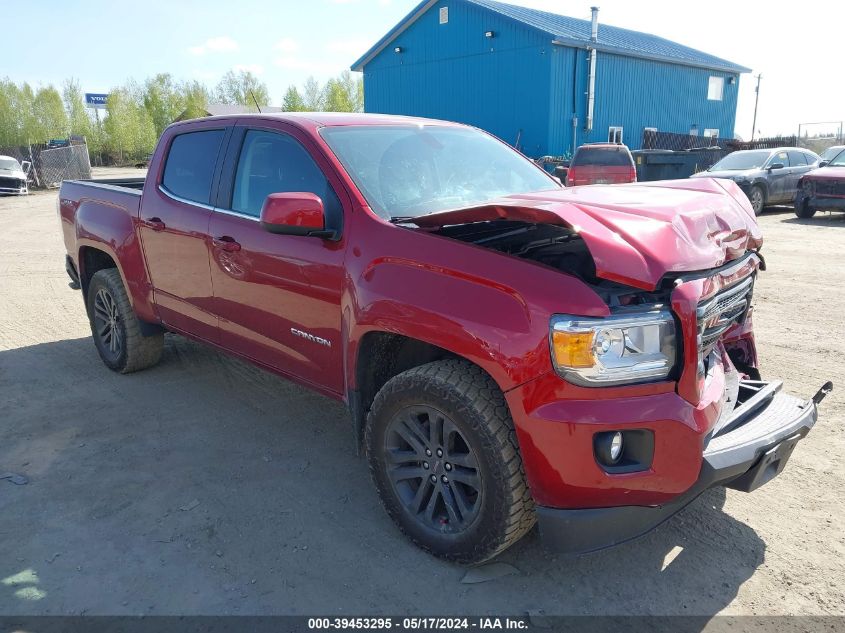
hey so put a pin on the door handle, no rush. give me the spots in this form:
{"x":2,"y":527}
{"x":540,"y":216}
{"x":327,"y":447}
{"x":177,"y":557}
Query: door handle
{"x":155,"y":224}
{"x":227,"y":244}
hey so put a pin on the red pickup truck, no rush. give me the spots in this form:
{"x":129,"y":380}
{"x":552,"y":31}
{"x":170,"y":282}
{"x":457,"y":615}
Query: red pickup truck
{"x":510,"y":351}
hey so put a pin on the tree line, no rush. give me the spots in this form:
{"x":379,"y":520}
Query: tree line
{"x":136,"y":113}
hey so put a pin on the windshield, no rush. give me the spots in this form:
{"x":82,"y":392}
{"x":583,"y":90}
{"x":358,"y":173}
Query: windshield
{"x":753,"y":159}
{"x":838,"y":160}
{"x":9,"y":164}
{"x":409,"y":171}
{"x":832,"y":152}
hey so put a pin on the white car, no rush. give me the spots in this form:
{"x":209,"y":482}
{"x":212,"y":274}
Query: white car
{"x":13,"y":176}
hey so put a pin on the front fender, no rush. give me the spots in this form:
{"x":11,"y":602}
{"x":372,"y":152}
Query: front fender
{"x":489,"y":308}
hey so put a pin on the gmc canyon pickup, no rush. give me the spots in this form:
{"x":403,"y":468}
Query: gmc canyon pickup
{"x":511,"y":351}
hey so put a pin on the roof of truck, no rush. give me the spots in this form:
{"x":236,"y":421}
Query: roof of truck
{"x":327,"y":119}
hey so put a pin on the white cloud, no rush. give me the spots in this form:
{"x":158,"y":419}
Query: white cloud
{"x":221,"y":44}
{"x":255,"y":69}
{"x":286,"y":45}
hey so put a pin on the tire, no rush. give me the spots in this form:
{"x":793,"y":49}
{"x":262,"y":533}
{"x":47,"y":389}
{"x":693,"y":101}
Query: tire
{"x":805,"y":211}
{"x":479,"y":505}
{"x":757,"y":197}
{"x":115,"y":328}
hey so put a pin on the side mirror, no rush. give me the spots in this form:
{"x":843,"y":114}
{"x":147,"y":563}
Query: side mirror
{"x":295,"y":213}
{"x":775,"y":166}
{"x":824,"y":163}
{"x":26,"y":166}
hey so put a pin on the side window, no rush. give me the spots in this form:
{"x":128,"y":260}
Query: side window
{"x":780,"y":157}
{"x":190,"y":165}
{"x":272,"y":162}
{"x":797,"y":159}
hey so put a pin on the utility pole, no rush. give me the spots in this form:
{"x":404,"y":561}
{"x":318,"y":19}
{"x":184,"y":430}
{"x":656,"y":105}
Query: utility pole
{"x":756,"y":101}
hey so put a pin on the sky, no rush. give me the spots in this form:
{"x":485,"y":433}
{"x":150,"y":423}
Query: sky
{"x":102,"y":43}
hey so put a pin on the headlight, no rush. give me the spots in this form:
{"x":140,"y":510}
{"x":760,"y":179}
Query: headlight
{"x":627,"y":347}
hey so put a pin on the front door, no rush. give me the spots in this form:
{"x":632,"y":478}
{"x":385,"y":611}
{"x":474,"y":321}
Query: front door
{"x":778,"y":179}
{"x":174,"y":230}
{"x":277,"y":297}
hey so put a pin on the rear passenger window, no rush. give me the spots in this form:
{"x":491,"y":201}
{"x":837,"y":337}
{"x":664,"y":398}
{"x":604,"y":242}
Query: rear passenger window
{"x":797,"y":159}
{"x":190,"y":165}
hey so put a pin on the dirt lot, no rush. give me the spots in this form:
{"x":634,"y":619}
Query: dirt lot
{"x":206,"y":486}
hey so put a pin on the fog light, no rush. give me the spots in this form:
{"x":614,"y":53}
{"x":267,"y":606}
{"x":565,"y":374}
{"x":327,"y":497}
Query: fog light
{"x":609,"y":447}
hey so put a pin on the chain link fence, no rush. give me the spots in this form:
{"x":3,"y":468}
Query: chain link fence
{"x":817,"y":137}
{"x":51,"y":164}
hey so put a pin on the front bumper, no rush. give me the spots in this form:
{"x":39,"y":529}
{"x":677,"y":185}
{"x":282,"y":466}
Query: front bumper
{"x":744,"y":451}
{"x":819,"y":202}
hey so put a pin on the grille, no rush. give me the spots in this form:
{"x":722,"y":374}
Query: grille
{"x":10,"y":183}
{"x":718,"y":314}
{"x":830,"y":188}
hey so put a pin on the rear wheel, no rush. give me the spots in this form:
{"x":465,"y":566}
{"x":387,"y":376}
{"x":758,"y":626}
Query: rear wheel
{"x":757,"y":198}
{"x":116,"y":329}
{"x":443,"y":454}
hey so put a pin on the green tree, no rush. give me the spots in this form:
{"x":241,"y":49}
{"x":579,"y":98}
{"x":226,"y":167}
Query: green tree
{"x":50,"y":116}
{"x":196,"y":98}
{"x":242,"y":88}
{"x":10,"y":120}
{"x":129,"y":128}
{"x":313,"y":95}
{"x":163,"y":100}
{"x":79,"y":123}
{"x":293,"y":101}
{"x":354,"y":89}
{"x":336,"y":98}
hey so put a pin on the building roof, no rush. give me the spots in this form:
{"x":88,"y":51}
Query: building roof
{"x":574,"y":32}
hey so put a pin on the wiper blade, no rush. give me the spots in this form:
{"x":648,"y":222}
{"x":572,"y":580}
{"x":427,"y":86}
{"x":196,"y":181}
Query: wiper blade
{"x":402,"y":219}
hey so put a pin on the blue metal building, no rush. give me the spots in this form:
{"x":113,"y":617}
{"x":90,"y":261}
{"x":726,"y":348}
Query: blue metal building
{"x":524,"y":75}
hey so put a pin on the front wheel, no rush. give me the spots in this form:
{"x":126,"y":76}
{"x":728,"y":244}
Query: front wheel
{"x":757,"y":199}
{"x":442,"y":452}
{"x":115,"y":328}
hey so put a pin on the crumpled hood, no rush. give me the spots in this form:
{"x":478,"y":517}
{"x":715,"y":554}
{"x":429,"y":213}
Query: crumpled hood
{"x":640,"y":232}
{"x":832,"y":173}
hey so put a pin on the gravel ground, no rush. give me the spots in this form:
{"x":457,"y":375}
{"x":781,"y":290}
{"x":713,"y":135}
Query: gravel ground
{"x":206,"y":486}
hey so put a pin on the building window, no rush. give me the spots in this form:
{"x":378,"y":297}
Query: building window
{"x":715,"y":88}
{"x":444,"y":15}
{"x":614,"y":134}
{"x":711,"y":133}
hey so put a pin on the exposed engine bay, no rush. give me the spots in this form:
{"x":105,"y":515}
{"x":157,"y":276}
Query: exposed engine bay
{"x":552,"y":245}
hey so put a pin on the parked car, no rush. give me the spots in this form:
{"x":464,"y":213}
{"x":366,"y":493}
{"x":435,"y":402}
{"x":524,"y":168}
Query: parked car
{"x":13,"y":176}
{"x":822,"y":188}
{"x":510,"y":350}
{"x":767,"y":176}
{"x":601,"y":164}
{"x":830,"y":153}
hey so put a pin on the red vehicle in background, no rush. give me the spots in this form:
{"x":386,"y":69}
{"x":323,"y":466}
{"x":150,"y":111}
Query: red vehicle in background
{"x":510,"y":351}
{"x":822,"y":189}
{"x":601,"y":164}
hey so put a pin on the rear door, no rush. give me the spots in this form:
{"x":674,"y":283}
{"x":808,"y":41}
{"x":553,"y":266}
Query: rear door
{"x":799,"y":164}
{"x":277,"y":297}
{"x":175,"y":212}
{"x":779,"y":179}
